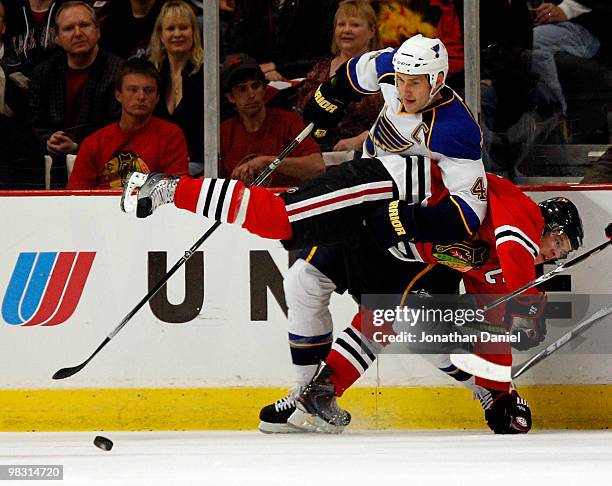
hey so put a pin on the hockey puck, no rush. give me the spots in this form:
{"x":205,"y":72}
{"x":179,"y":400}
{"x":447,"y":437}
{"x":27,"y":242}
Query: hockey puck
{"x":609,"y":230}
{"x":103,"y":443}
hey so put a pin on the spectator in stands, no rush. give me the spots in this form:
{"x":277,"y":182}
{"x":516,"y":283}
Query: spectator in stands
{"x":127,"y":26}
{"x":355,"y":33}
{"x":21,"y":163}
{"x":253,"y":138}
{"x":31,"y":30}
{"x":176,"y":51}
{"x":576,"y":28}
{"x":72,"y":93}
{"x":506,"y":85}
{"x":601,"y":171}
{"x":286,"y":37}
{"x":13,"y":83}
{"x":138,"y":142}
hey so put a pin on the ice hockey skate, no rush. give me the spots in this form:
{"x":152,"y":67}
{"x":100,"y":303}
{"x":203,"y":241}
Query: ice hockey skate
{"x":316,"y":407}
{"x":146,"y":192}
{"x":273,"y":418}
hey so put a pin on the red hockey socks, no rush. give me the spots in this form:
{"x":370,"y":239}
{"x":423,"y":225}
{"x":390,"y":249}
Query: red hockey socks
{"x":353,"y":352}
{"x":256,"y":209}
{"x":498,"y":353}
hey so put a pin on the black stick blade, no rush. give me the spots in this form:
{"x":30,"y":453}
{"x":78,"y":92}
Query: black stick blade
{"x":67,"y":372}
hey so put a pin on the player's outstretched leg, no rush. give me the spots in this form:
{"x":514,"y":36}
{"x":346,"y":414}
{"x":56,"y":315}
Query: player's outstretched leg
{"x":256,"y":209}
{"x":146,"y":192}
{"x":317,"y":410}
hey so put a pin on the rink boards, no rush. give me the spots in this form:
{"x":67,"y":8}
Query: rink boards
{"x":211,"y":349}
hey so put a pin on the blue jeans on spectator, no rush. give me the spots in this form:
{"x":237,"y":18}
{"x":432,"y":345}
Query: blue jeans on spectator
{"x":548,"y":39}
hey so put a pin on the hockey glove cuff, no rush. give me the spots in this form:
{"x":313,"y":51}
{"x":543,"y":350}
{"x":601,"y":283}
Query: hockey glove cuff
{"x":525,"y":318}
{"x":391,"y":223}
{"x":508,"y":414}
{"x":324,"y":110}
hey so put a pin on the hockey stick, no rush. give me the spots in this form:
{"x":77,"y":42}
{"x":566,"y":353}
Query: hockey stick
{"x":475,"y":365}
{"x":66,"y":372}
{"x":562,"y":341}
{"x":547,"y":276}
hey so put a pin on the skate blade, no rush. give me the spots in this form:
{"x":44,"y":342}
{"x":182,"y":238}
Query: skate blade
{"x":268,"y":428}
{"x":312,"y":423}
{"x":129,"y":198}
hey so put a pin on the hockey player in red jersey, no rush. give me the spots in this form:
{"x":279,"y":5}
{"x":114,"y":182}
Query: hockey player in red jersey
{"x":517,"y":234}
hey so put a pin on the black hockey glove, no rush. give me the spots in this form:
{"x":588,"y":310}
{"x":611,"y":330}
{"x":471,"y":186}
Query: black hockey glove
{"x":525,"y":319}
{"x":391,"y":223}
{"x":508,"y":413}
{"x":398,"y":221}
{"x":324,"y":110}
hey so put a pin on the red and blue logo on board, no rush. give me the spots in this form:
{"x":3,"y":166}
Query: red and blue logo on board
{"x":45,"y":287}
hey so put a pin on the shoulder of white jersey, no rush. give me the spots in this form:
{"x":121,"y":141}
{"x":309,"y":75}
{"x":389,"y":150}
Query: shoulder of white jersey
{"x":368,"y":71}
{"x":454,"y":132}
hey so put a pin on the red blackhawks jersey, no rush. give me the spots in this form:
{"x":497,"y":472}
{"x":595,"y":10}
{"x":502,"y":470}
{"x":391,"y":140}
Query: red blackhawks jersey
{"x":512,"y":230}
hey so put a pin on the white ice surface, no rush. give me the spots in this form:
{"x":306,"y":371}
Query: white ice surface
{"x":355,"y":458}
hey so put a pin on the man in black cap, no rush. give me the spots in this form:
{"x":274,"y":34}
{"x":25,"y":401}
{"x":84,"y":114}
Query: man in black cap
{"x":251,"y":139}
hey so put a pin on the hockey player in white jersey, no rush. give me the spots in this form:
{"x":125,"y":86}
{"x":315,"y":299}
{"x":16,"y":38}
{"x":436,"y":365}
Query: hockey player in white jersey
{"x":420,"y":116}
{"x":425,"y":148}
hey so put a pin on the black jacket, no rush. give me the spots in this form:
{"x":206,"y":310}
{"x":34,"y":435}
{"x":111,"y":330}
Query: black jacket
{"x":189,"y":114}
{"x":295,"y":37}
{"x":32,"y":44}
{"x":16,"y":83}
{"x":47,"y":97}
{"x":125,"y":35}
{"x":598,"y":21}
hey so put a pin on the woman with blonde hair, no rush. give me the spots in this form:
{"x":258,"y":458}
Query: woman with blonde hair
{"x":355,"y":33}
{"x":176,"y":51}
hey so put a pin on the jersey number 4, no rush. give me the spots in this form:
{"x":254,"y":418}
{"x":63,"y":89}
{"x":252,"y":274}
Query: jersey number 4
{"x":479,"y":190}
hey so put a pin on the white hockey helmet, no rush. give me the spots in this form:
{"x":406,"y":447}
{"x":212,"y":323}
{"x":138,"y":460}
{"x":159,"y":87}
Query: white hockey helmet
{"x":422,"y":55}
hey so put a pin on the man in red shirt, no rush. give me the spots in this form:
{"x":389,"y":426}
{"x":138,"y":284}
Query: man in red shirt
{"x":251,"y":139}
{"x":138,"y":141}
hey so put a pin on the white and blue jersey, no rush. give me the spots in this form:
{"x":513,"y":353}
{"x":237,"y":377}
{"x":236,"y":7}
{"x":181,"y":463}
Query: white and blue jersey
{"x":444,"y":132}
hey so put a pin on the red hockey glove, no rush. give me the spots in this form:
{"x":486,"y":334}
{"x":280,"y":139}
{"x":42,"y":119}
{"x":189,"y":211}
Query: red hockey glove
{"x":525,"y":318}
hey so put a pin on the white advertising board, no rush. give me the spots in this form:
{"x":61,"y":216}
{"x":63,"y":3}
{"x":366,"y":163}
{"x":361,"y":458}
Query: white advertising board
{"x":72,"y":267}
